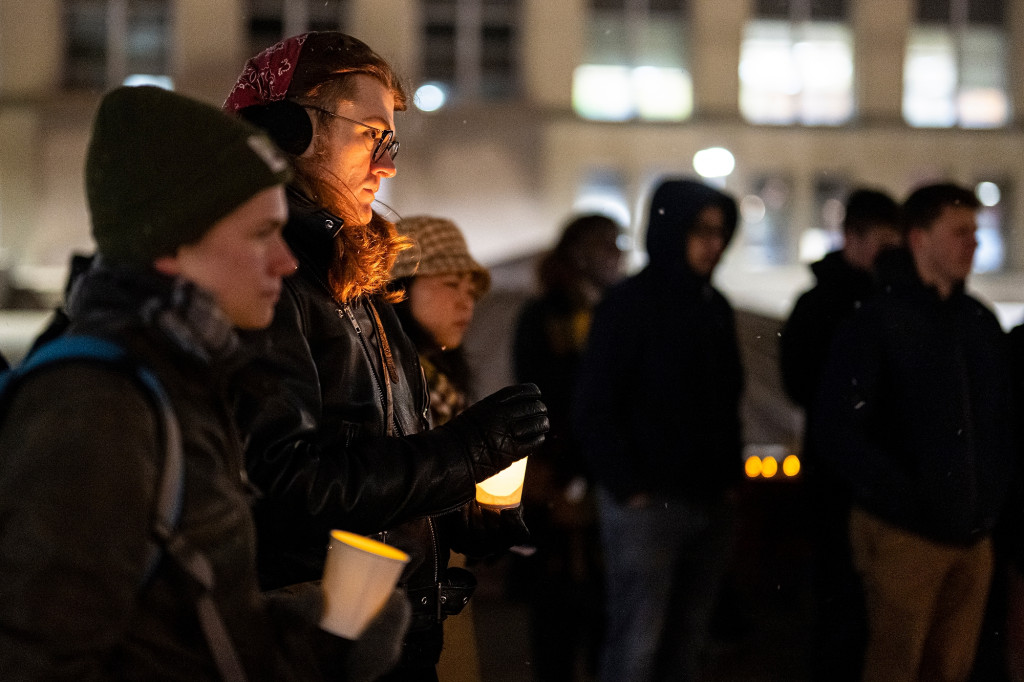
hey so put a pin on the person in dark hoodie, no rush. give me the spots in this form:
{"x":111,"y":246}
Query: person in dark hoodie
{"x":657,"y":414}
{"x":915,"y":414}
{"x":845,"y":281}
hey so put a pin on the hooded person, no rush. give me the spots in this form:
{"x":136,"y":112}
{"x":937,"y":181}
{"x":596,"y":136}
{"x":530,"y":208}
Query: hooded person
{"x":187,"y":207}
{"x":335,"y":414}
{"x":657,"y":414}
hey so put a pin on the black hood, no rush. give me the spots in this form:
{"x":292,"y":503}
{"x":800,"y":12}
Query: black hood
{"x":673,"y":211}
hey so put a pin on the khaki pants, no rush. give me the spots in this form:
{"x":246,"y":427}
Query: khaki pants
{"x":925,"y":601}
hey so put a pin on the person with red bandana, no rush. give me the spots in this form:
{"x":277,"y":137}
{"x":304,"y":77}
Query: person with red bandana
{"x":335,"y":411}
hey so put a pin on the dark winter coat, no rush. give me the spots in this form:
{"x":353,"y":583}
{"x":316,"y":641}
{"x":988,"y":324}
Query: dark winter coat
{"x":550,"y":335}
{"x":80,"y":453}
{"x":915,"y":408}
{"x":657,"y":401}
{"x":840,"y":290}
{"x":318,"y":449}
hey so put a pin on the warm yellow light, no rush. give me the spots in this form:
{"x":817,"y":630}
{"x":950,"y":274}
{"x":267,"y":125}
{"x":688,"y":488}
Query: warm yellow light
{"x":769,"y":467}
{"x":505,"y":488}
{"x":752,"y":466}
{"x":791,"y":465}
{"x":359,"y":575}
{"x":370,"y":545}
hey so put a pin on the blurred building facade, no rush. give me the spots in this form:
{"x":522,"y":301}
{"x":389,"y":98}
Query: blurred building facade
{"x":556,"y":106}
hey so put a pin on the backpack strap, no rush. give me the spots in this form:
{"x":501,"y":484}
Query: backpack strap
{"x":171,"y":484}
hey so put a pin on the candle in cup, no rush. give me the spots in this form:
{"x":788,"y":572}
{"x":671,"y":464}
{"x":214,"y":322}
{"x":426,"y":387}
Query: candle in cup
{"x":359,"y":576}
{"x":504,"y":489}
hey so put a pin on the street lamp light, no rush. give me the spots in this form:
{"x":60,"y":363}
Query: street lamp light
{"x":714,"y":162}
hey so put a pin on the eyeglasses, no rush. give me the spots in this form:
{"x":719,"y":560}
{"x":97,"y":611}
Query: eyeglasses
{"x":386,"y":141}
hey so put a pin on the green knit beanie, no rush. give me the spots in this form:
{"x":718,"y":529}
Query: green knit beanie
{"x":163,"y":168}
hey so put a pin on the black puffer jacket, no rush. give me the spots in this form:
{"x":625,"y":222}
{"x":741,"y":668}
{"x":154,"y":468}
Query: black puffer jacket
{"x":319,"y":448}
{"x":915,"y":408}
{"x":657,"y":400}
{"x":80,"y":452}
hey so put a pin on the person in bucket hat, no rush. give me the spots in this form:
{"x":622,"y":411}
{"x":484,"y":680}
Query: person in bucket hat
{"x":443,"y":283}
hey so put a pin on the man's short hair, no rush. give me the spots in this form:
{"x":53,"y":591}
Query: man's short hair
{"x":925,"y":204}
{"x":868,"y":208}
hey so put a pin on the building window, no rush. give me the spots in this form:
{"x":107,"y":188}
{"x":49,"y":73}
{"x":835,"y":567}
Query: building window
{"x":110,"y":42}
{"x":270,"y":21}
{"x":826,"y":233}
{"x":766,"y":214}
{"x":796,"y":64}
{"x":603,"y":190}
{"x":471,"y":47}
{"x":991,"y":253}
{"x":955,"y":71}
{"x":635,"y":66}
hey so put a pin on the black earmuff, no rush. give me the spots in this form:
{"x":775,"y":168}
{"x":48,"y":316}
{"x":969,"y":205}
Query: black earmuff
{"x":287,"y":123}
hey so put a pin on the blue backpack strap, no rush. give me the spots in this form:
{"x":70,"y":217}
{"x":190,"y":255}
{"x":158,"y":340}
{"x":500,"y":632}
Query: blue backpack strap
{"x":170,"y":493}
{"x":75,"y":347}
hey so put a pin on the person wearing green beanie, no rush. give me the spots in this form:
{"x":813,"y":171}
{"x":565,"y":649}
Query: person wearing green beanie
{"x":187,"y":208}
{"x":161,"y":170}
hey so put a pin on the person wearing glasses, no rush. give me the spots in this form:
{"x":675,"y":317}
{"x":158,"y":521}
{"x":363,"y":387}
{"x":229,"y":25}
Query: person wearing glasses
{"x":334,"y":409}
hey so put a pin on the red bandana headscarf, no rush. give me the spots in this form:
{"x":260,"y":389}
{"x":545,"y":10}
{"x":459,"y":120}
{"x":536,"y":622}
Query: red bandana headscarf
{"x":266,"y":76}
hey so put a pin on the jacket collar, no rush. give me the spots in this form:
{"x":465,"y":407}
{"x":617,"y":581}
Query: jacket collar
{"x":110,"y":296}
{"x":311,"y":231}
{"x":898,"y":274}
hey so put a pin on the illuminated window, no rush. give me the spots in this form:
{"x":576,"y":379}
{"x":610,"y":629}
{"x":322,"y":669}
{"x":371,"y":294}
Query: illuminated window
{"x":635,"y":65}
{"x":471,"y":47}
{"x":826,"y":233}
{"x":767,"y":213}
{"x":111,"y":40}
{"x":796,"y":64}
{"x":603,"y":191}
{"x":991,"y":255}
{"x":955,"y":71}
{"x":272,"y":20}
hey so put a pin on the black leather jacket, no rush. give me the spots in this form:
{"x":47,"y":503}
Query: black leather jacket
{"x":319,"y":447}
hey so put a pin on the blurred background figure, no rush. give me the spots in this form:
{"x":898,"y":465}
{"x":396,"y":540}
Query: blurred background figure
{"x":657,"y":412}
{"x":562,"y":578}
{"x":915,"y":415}
{"x":442,"y":283}
{"x":845,"y":281}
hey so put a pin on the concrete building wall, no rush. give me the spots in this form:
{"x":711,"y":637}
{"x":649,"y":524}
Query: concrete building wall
{"x":507,"y":172}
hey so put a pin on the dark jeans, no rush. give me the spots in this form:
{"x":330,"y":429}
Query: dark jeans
{"x":664,"y":564}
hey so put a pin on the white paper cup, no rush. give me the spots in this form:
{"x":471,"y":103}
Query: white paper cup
{"x":504,"y":489}
{"x":359,"y":576}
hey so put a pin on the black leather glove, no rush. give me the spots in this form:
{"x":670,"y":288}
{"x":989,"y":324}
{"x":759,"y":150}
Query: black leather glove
{"x":500,"y":429}
{"x":477,"y":531}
